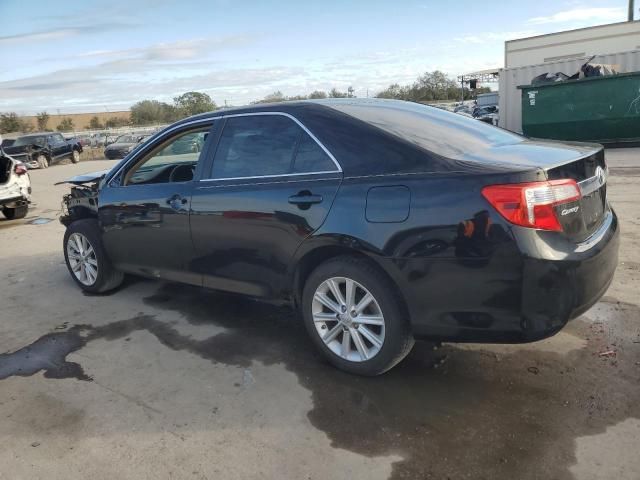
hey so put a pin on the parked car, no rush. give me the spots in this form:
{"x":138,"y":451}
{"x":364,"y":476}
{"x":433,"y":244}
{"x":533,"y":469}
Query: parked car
{"x":464,"y":108}
{"x":15,"y":187}
{"x":84,"y":140}
{"x":39,"y":150}
{"x":122,"y":146}
{"x":488,"y":114}
{"x":109,"y":139}
{"x":98,"y":140}
{"x":382,"y":221}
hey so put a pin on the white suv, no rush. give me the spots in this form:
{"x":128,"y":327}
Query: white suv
{"x":15,"y":187}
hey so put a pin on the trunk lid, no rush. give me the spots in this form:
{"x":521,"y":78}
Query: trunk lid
{"x":581,"y":218}
{"x":582,"y":162}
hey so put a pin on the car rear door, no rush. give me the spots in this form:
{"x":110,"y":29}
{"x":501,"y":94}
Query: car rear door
{"x":144,"y":208}
{"x":269,"y":186}
{"x":58,"y":145}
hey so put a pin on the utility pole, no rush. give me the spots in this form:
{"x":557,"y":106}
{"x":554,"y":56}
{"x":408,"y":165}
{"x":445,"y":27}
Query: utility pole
{"x":630,"y":15}
{"x":462,"y":89}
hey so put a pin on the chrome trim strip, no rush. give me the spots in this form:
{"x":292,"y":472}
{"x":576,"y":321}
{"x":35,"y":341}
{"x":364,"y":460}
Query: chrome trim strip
{"x":598,"y":235}
{"x":268,"y":176}
{"x":590,"y":185}
{"x":203,"y":186}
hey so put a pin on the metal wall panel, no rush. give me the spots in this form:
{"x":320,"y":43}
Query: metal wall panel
{"x":510,"y":78}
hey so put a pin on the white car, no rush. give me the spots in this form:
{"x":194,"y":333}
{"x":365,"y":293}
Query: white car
{"x":15,"y":187}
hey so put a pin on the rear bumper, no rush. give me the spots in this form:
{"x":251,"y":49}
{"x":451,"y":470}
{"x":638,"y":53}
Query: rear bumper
{"x":525,"y":290}
{"x":556,"y":291}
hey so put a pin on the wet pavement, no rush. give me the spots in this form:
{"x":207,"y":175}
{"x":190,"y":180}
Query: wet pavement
{"x":159,"y":380}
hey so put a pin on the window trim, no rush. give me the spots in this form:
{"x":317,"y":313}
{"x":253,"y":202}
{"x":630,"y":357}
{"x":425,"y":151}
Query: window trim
{"x":279,"y":175}
{"x":156,"y":138}
{"x":152,"y":153}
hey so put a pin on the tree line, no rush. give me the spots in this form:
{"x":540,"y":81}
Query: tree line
{"x":428,"y":87}
{"x":11,"y":122}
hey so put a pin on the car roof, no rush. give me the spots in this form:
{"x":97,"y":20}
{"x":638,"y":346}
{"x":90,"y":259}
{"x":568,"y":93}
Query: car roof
{"x":38,"y":134}
{"x":372,"y":136}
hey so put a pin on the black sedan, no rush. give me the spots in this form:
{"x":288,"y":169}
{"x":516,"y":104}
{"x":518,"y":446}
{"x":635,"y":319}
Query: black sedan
{"x":382,"y":221}
{"x":123,"y":145}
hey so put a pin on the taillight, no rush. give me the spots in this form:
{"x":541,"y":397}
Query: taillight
{"x":20,"y":169}
{"x":532,"y":204}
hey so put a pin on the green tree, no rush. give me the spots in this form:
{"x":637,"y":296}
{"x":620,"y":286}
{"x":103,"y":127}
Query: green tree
{"x":429,"y":87}
{"x":10,"y":122}
{"x":115,"y":122}
{"x":95,"y":124}
{"x":272,"y":97}
{"x":318,"y":94}
{"x":43,"y":119}
{"x":65,"y":125}
{"x":396,"y":91}
{"x":335,"y":93}
{"x":193,"y":103}
{"x":147,"y":112}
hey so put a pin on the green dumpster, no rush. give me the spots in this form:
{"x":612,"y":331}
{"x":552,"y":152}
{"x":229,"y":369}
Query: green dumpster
{"x":596,"y":109}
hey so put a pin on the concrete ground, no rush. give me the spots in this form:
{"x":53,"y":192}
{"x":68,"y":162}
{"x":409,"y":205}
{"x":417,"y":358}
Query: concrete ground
{"x":164,"y":381}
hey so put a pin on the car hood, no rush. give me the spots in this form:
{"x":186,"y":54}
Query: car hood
{"x":85,"y":178}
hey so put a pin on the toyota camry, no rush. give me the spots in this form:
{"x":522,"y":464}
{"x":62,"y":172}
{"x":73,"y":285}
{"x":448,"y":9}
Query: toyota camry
{"x":381,"y":221}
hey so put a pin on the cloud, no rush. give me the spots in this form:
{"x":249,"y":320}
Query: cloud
{"x":179,"y":50}
{"x":59,"y":33}
{"x":602,"y":15}
{"x":489,"y":37}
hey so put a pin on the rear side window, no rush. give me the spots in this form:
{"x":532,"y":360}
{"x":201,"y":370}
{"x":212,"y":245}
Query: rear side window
{"x":310,"y":157}
{"x":267,"y":145}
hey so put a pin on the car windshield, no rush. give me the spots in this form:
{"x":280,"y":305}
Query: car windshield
{"x":39,"y":140}
{"x":126,"y":139}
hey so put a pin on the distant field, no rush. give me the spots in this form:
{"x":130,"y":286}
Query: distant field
{"x":80,"y":120}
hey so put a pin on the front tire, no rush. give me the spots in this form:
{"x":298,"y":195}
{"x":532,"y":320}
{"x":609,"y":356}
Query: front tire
{"x":16,"y":212}
{"x":355,"y":316}
{"x":43,"y":161}
{"x":75,"y":156}
{"x":86,"y":259}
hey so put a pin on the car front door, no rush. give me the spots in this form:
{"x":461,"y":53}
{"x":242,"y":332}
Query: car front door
{"x":144,"y":208}
{"x":268,"y":187}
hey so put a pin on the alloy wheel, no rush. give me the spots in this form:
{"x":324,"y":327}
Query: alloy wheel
{"x":82,"y":259}
{"x":348,"y":319}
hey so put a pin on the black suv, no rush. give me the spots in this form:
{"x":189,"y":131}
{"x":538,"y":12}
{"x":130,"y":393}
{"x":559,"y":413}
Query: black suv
{"x":382,"y":221}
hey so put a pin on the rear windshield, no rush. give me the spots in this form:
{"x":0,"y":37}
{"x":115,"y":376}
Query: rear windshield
{"x":443,"y":133}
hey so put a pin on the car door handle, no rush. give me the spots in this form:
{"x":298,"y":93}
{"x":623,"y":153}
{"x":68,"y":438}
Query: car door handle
{"x":305,"y":199}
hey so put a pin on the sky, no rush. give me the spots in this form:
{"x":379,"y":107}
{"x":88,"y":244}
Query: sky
{"x":94,"y":56}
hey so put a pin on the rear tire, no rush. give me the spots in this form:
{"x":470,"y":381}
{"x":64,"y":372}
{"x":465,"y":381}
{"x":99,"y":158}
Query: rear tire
{"x":16,"y":212}
{"x":377,"y":337}
{"x":75,"y":156}
{"x":86,"y":258}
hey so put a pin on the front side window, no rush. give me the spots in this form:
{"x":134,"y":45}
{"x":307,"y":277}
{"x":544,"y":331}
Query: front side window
{"x":267,"y":145}
{"x":173,"y":160}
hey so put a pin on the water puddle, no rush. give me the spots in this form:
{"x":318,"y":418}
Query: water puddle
{"x":40,"y":221}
